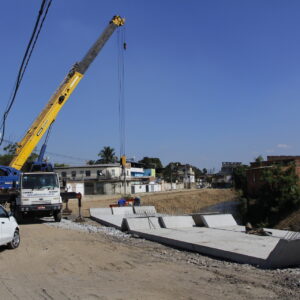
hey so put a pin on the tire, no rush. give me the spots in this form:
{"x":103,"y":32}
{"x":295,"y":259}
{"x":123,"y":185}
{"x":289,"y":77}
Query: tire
{"x":19,"y":216}
{"x":15,"y":242}
{"x":57,"y":216}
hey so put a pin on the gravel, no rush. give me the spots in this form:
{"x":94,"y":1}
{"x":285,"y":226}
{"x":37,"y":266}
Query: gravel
{"x":86,"y":227}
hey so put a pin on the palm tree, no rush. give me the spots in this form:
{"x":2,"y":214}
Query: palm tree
{"x":107,"y":155}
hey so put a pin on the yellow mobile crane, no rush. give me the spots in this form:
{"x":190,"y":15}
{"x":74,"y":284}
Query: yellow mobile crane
{"x":38,"y":193}
{"x":56,"y":102}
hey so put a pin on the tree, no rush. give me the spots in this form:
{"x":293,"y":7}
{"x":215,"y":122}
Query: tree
{"x":204,"y":171}
{"x":10,"y":149}
{"x":240,"y":178}
{"x":170,"y":172}
{"x":91,"y":162}
{"x":198,"y":172}
{"x":151,"y":163}
{"x":57,"y":165}
{"x":259,"y":159}
{"x":279,"y":193}
{"x":107,"y":155}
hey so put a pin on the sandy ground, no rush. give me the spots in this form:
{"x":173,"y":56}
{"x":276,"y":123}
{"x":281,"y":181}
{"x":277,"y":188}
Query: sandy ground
{"x":53,"y":262}
{"x":172,"y":202}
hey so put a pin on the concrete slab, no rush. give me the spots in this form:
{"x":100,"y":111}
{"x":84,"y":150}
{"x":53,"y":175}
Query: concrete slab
{"x":177,"y":222}
{"x":221,"y":220}
{"x":144,"y":210}
{"x":124,"y":210}
{"x":141,"y":223}
{"x":100,"y":211}
{"x":283,"y":234}
{"x":263,"y":251}
{"x":110,"y":221}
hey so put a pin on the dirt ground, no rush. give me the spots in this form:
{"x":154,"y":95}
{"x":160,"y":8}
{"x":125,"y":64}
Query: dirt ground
{"x":53,"y":262}
{"x":172,"y":202}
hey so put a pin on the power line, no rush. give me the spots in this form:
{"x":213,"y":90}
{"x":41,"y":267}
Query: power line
{"x":52,"y":153}
{"x":29,"y":49}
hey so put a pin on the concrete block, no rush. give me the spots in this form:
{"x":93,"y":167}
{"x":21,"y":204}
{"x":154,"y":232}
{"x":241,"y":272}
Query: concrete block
{"x":123,"y":210}
{"x":141,"y":223}
{"x":110,"y":221}
{"x":215,"y":221}
{"x":264,"y":251}
{"x":177,"y":221}
{"x":144,"y":210}
{"x":94,"y":212}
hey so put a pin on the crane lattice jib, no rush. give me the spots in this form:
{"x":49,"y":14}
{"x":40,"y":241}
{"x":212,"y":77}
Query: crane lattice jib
{"x":60,"y":97}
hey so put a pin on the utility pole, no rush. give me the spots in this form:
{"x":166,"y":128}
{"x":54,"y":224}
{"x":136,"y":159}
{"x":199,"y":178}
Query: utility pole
{"x":123,"y":163}
{"x":171,"y":177}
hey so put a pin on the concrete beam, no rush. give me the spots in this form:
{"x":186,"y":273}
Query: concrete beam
{"x":94,"y":212}
{"x":177,"y":221}
{"x":221,"y":220}
{"x":144,"y":210}
{"x":123,"y":210}
{"x":141,"y":223}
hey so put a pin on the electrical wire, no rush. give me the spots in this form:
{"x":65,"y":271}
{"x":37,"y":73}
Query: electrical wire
{"x":37,"y":150}
{"x":28,"y":52}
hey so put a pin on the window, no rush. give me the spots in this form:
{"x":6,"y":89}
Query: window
{"x":81,"y":172}
{"x":3,"y":173}
{"x":3,"y":213}
{"x":88,"y":173}
{"x":63,"y":174}
{"x":73,"y":173}
{"x":113,"y":172}
{"x":39,"y":181}
{"x":99,"y":173}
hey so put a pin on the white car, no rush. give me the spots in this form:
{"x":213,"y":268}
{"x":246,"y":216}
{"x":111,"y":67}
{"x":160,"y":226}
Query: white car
{"x":9,"y":230}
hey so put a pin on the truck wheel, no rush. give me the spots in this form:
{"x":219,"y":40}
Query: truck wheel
{"x":19,"y":216}
{"x":57,"y":216}
{"x":15,"y":242}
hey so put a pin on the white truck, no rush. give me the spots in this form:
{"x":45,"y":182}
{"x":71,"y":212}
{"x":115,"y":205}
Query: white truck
{"x":37,"y":194}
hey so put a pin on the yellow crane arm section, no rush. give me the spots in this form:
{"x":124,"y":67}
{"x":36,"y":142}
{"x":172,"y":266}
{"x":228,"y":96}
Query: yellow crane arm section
{"x":56,"y":102}
{"x":44,"y":120}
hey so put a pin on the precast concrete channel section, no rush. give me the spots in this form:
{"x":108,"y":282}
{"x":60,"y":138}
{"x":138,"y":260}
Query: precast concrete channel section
{"x":216,"y":235}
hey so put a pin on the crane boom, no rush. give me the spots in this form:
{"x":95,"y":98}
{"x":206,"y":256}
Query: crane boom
{"x":60,"y":97}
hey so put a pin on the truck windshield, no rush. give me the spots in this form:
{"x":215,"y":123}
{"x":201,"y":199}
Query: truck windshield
{"x":39,"y":181}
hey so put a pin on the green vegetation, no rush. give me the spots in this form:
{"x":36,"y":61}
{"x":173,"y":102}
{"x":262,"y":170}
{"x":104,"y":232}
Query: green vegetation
{"x":277,"y":196}
{"x":107,"y":155}
{"x":8,"y":155}
{"x":151,"y":163}
{"x":57,"y":165}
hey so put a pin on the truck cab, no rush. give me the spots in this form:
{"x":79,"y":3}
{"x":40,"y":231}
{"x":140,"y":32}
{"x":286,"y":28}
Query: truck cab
{"x":38,"y":195}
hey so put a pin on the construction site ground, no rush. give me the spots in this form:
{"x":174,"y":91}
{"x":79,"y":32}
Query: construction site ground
{"x":87,"y":261}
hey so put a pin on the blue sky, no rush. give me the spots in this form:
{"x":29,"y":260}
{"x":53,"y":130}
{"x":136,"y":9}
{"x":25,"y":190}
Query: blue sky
{"x":205,"y":81}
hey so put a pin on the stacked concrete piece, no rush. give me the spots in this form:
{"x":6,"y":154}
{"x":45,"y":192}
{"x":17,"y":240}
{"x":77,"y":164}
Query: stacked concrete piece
{"x":217,"y":235}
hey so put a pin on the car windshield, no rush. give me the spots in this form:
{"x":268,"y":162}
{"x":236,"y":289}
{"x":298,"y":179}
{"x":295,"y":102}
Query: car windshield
{"x":39,"y":181}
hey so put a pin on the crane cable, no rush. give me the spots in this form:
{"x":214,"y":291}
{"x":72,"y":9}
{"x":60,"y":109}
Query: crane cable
{"x":29,"y":49}
{"x":121,"y":91}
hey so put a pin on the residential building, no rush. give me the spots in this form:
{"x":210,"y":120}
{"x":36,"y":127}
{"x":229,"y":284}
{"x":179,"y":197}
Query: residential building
{"x":224,"y":178}
{"x":108,"y":179}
